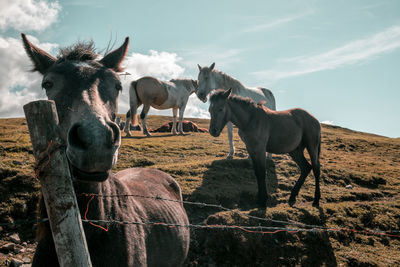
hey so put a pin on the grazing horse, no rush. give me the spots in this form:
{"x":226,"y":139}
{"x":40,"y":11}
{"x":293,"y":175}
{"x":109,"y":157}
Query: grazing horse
{"x":210,"y":79}
{"x":85,"y":91}
{"x":264,"y":130}
{"x":159,"y":94}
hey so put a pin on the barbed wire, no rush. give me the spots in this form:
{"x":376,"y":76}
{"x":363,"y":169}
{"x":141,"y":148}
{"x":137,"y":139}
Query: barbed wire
{"x":302,"y":227}
{"x":250,"y":229}
{"x":201,"y":204}
{"x":27,"y":221}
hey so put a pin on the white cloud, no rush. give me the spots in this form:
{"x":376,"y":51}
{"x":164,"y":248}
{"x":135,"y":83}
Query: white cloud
{"x":351,"y":53}
{"x":162,"y":65}
{"x":25,"y":15}
{"x":327,"y":122}
{"x":275,"y":23}
{"x":18,"y":85}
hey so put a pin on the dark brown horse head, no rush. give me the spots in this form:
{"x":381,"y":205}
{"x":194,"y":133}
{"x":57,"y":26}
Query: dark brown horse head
{"x":219,"y":111}
{"x":85,"y":91}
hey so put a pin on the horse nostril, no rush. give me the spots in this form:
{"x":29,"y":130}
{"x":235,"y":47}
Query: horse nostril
{"x":76,"y":137}
{"x":115,"y":133}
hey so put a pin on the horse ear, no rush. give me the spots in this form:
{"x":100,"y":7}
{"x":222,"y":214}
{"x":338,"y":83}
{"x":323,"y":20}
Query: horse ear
{"x":195,"y":83}
{"x":212,"y":66}
{"x":40,"y":58}
{"x":228,"y":93}
{"x":114,"y":59}
{"x":199,"y":67}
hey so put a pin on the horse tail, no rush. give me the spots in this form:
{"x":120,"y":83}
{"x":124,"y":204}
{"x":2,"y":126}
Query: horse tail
{"x":271,"y":104}
{"x":135,"y":102}
{"x":319,"y":146}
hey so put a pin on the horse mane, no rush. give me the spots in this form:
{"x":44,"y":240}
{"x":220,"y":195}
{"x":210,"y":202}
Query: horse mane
{"x":244,"y":102}
{"x":81,"y":51}
{"x":231,"y":81}
{"x":187,"y":82}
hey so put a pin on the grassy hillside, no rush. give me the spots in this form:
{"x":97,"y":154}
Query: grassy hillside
{"x":369,"y":163}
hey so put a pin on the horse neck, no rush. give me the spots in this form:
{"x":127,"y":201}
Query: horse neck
{"x":82,"y":188}
{"x":224,"y":81}
{"x":239,"y":115}
{"x":185,"y":83}
{"x":100,"y":205}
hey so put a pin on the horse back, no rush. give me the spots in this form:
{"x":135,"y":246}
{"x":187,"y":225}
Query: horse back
{"x":151,"y":91}
{"x":271,"y":104}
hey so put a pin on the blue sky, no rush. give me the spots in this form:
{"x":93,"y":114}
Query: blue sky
{"x":340,"y":60}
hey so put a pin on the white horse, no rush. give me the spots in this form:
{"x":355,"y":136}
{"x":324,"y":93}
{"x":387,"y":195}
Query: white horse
{"x":158,"y":94}
{"x":210,"y":79}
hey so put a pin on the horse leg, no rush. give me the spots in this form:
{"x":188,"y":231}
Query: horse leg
{"x":143,"y":116}
{"x":181,"y":111}
{"x":134,"y":103}
{"x":229,"y":126}
{"x":305,"y":168}
{"x":45,"y":254}
{"x":257,"y":155}
{"x":314,"y":152}
{"x":174,"y":113}
{"x":128,"y":123}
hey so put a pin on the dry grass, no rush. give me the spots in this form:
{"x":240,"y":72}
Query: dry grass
{"x":370,"y":163}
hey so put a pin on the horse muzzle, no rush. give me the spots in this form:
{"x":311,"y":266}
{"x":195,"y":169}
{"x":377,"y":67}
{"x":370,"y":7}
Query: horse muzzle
{"x":83,"y":176}
{"x":202,"y":97}
{"x":214,"y":132}
{"x":92,"y":150}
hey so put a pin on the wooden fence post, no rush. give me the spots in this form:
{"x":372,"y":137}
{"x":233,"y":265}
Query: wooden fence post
{"x":55,"y":179}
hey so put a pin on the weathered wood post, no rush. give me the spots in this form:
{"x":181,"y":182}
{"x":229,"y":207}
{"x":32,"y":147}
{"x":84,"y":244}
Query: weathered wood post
{"x":55,"y":179}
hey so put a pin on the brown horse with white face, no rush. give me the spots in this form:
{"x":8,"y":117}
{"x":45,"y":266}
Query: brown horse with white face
{"x":85,"y":91}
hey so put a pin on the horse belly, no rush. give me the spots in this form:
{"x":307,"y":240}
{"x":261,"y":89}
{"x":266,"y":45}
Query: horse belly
{"x":152,"y":91}
{"x":283,"y":143}
{"x":172,"y":101}
{"x":168,"y":246}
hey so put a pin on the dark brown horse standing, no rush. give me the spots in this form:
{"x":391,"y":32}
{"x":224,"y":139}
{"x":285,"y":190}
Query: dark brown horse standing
{"x":264,"y":130}
{"x":85,"y":91}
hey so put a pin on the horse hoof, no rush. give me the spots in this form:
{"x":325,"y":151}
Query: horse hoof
{"x":292,"y":202}
{"x":128,"y":134}
{"x":315,"y":204}
{"x":148,"y":134}
{"x":229,"y":157}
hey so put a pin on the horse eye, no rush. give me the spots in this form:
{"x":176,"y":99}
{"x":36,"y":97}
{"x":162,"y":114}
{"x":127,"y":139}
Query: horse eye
{"x":47,"y":85}
{"x":118,"y":86}
{"x":221,"y":109}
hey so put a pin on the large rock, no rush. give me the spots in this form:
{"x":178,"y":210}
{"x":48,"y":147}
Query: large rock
{"x":16,"y":263}
{"x":188,"y":126}
{"x":15,"y":238}
{"x":6,"y":248}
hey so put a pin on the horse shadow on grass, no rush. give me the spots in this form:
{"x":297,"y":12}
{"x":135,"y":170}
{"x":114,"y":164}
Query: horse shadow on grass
{"x":232,"y":184}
